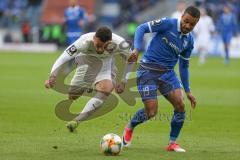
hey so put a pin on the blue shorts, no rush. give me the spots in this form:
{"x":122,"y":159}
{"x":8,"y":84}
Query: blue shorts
{"x":227,"y":38}
{"x":150,"y":81}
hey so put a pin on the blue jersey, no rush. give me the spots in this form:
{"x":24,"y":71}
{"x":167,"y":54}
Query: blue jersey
{"x":73,"y":16}
{"x":167,"y":46}
{"x":227,"y":23}
{"x":227,"y":26}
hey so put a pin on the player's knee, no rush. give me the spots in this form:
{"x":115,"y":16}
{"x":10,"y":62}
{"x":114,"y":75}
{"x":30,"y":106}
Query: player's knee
{"x":105,"y":87}
{"x":179,"y":105}
{"x":151,"y":110}
{"x":151,"y":113}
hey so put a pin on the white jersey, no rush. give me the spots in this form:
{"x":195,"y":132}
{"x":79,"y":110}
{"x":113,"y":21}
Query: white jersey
{"x":177,"y":15}
{"x":84,"y":45}
{"x":203,"y":30}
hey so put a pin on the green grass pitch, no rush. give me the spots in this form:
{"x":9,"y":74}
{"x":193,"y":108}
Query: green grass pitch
{"x":30,"y":130}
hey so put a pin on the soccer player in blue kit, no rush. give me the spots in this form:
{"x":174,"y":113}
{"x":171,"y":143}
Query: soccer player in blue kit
{"x":172,"y":42}
{"x":75,"y":18}
{"x":227,"y":26}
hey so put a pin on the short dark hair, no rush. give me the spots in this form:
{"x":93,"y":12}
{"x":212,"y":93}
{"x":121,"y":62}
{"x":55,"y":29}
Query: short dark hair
{"x":193,"y":11}
{"x":104,"y":34}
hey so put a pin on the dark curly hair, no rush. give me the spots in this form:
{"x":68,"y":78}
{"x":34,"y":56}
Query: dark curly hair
{"x":104,"y":34}
{"x":193,"y":11}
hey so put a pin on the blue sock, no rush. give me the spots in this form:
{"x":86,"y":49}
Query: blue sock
{"x":138,"y":118}
{"x":176,"y":125}
{"x":226,"y":54}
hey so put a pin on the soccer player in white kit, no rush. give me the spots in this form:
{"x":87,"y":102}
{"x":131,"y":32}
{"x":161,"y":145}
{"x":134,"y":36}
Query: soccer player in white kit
{"x":94,"y":54}
{"x":180,"y":7}
{"x":203,"y":32}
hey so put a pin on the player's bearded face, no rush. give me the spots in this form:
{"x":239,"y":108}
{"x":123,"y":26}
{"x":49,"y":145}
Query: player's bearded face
{"x":99,"y":45}
{"x":188,"y":23}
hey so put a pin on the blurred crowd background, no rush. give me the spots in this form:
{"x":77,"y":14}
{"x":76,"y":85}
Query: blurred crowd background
{"x":48,"y":21}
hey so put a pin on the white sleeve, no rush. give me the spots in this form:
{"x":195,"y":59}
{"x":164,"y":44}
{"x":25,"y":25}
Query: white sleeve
{"x":78,"y":46}
{"x":59,"y":62}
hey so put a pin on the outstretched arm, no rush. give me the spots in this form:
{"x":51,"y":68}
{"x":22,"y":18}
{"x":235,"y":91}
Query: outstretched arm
{"x":67,"y":55}
{"x":159,"y":25}
{"x":139,"y":34}
{"x":138,"y":39}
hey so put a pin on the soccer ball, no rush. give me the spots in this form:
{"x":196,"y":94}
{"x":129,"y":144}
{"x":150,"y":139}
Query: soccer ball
{"x":111,"y":144}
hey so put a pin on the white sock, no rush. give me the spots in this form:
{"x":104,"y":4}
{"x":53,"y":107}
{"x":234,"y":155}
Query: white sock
{"x":92,"y":106}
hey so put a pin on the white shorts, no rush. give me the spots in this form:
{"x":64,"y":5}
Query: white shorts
{"x":91,"y":70}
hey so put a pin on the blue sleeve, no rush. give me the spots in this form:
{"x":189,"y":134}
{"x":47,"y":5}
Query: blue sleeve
{"x":159,"y":25}
{"x":183,"y":67}
{"x":184,"y":73}
{"x":139,"y":34}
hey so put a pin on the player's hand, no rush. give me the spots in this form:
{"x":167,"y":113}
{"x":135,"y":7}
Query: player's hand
{"x":119,"y":88}
{"x":134,"y":56}
{"x":192,"y":99}
{"x":50,"y":82}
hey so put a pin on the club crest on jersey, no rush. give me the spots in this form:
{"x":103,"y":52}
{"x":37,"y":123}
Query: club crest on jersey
{"x":185,"y":43}
{"x":71,"y":50}
{"x":165,"y":40}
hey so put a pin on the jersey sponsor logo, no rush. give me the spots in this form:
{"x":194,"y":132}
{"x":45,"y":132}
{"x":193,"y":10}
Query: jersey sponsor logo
{"x":175,"y":48}
{"x":71,"y":50}
{"x":172,"y":45}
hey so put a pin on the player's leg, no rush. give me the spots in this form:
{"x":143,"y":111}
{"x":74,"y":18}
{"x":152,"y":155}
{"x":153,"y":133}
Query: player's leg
{"x":148,"y":91}
{"x":170,"y":87}
{"x":200,"y":51}
{"x":141,"y":116}
{"x":202,"y":55}
{"x":104,"y":84}
{"x":99,"y":74}
{"x":78,"y":84}
{"x":104,"y":88}
{"x":176,"y":98}
{"x":226,"y":42}
{"x":84,"y":76}
{"x":226,"y":58}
